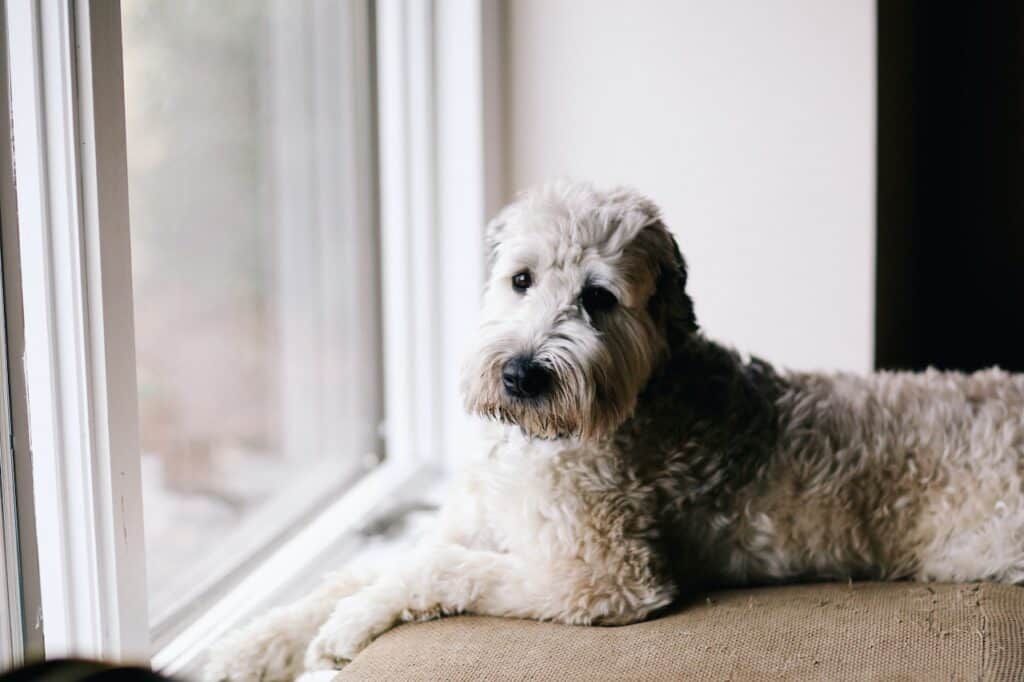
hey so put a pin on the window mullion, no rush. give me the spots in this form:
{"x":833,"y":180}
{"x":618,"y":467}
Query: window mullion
{"x":71,"y":182}
{"x":470,"y":189}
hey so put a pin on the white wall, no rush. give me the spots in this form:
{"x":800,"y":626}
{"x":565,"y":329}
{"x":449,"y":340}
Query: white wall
{"x":751,"y":123}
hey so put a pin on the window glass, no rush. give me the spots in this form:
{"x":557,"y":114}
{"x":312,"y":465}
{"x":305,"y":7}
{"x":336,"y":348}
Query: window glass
{"x":255,"y":281}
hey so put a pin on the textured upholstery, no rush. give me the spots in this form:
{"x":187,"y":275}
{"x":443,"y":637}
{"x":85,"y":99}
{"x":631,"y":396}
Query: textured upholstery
{"x":881,"y":631}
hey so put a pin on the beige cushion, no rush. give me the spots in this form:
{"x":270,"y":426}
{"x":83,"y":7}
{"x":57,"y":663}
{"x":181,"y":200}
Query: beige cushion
{"x":882,"y":631}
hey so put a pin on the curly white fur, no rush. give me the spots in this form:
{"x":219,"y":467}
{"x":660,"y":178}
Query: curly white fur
{"x":660,"y":461}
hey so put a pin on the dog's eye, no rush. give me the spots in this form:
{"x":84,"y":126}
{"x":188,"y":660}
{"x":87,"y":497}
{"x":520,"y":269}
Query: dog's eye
{"x":521,"y":281}
{"x":597,"y":299}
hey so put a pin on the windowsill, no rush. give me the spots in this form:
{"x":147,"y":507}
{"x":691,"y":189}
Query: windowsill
{"x":195,"y":584}
{"x":381,"y":515}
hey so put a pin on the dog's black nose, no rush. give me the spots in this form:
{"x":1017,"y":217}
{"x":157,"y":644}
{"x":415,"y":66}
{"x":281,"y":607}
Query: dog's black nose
{"x":524,"y":378}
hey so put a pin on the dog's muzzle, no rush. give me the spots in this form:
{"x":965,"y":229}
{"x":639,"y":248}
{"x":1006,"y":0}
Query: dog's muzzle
{"x":524,"y":378}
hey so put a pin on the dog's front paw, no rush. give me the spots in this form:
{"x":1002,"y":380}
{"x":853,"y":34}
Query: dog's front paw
{"x":266,"y":651}
{"x":356,"y":621}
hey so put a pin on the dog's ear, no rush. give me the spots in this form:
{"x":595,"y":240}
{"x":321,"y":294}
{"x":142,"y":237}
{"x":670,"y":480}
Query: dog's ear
{"x":493,"y":236}
{"x":670,"y":304}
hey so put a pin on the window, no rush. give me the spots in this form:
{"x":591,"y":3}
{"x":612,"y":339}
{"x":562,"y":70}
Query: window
{"x":255,"y":278}
{"x":245,"y":258}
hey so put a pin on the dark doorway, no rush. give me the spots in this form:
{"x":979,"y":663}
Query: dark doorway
{"x":950,"y":288}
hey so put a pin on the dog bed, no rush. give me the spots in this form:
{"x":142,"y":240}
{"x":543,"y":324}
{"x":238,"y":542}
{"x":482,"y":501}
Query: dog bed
{"x":883,"y":631}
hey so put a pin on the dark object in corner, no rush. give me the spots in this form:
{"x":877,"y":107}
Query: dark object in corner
{"x":70,"y":670}
{"x":950,"y":258}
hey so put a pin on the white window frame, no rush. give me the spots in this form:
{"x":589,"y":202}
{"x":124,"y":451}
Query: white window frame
{"x":12,"y":647}
{"x":12,"y":644}
{"x":71,"y":183}
{"x":441,"y":170}
{"x":22,"y":600}
{"x":439,"y":139}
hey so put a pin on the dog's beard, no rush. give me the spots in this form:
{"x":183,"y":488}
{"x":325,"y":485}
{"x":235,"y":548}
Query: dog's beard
{"x":596,"y":376}
{"x":577,"y":405}
{"x":535,"y":420}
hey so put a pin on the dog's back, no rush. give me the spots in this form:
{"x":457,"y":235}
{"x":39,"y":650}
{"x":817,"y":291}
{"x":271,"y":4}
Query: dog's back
{"x":888,"y":475}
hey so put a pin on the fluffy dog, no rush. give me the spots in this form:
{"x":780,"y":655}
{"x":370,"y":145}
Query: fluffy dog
{"x":634,"y":459}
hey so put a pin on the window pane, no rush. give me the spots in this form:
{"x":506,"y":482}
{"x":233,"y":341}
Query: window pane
{"x":255,"y":279}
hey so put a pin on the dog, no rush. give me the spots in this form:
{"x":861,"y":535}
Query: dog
{"x":633,"y":460}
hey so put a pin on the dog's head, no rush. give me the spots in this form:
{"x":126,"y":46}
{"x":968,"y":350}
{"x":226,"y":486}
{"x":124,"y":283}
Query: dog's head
{"x":586,"y":295}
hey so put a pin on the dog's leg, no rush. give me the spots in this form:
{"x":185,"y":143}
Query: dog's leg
{"x":271,"y":648}
{"x":449,"y":579}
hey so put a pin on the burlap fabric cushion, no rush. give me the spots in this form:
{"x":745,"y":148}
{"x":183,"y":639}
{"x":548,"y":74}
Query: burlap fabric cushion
{"x":860,"y":631}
